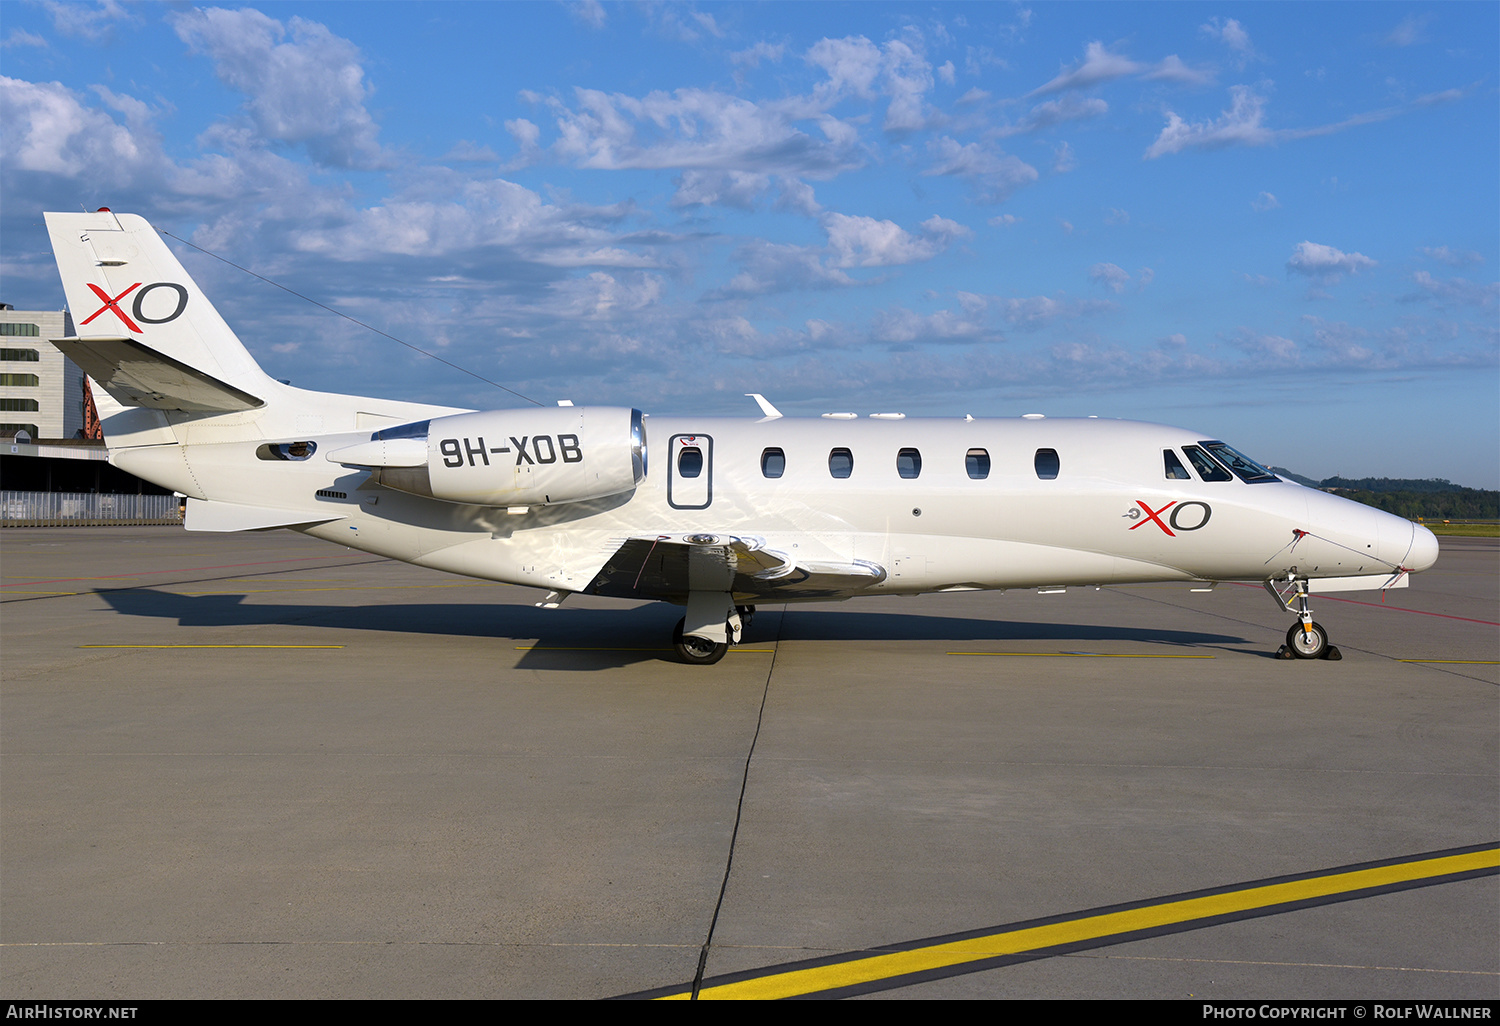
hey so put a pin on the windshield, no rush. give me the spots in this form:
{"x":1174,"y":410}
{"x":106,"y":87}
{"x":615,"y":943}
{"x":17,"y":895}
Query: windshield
{"x":1244,"y":467}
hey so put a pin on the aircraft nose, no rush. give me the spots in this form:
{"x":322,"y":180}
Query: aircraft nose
{"x":1424,"y":549}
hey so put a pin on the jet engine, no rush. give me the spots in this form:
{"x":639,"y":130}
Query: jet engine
{"x":509,"y":457}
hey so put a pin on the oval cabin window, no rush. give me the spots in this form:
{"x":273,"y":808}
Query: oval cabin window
{"x":690,"y":462}
{"x":772,"y":463}
{"x":841,"y":462}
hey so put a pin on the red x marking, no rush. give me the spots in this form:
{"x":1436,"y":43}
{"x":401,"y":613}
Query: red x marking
{"x":112,"y":304}
{"x":1155,"y":515}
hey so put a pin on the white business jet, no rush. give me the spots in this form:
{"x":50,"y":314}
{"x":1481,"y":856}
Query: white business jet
{"x":712,"y":514}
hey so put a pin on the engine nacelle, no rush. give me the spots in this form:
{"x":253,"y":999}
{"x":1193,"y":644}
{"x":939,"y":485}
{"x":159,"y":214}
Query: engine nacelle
{"x":510,"y":457}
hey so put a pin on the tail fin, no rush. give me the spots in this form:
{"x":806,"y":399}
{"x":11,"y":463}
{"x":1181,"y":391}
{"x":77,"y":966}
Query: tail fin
{"x":146,"y":333}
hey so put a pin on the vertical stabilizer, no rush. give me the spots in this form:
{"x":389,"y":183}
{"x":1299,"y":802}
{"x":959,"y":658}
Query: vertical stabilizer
{"x":146,"y":333}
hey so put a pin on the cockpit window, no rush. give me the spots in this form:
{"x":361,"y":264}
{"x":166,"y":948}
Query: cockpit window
{"x":1175,"y":470}
{"x":1204,"y":464}
{"x":1246,"y":469}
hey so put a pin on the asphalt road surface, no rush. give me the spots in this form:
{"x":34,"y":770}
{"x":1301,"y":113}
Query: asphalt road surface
{"x":263,"y":766}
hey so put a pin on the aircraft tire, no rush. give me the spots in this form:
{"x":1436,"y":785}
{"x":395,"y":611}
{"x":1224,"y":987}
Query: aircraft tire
{"x":1306,"y":645}
{"x":696,"y":651}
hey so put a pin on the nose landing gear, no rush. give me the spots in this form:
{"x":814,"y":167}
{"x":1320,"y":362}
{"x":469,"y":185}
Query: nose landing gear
{"x":1305,"y":639}
{"x":1308,"y":641}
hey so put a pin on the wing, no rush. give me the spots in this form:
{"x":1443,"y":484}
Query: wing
{"x":670,"y":566}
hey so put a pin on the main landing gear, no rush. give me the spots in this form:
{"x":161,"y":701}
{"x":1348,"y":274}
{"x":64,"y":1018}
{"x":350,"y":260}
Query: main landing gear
{"x":711,"y":638}
{"x":1305,"y":639}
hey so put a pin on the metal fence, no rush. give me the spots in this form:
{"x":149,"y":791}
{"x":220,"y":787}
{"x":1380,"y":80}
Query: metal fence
{"x":85,"y":509}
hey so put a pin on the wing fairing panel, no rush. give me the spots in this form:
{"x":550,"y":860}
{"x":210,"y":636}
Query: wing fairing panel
{"x":671,"y":566}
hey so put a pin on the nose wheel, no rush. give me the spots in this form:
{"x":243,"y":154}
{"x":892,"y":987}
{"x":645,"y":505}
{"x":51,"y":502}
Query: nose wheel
{"x":1309,"y":641}
{"x":1305,"y":639}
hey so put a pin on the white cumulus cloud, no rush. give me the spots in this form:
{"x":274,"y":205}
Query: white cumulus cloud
{"x":855,"y":241}
{"x":1242,"y":124}
{"x":993,"y":175}
{"x":1098,"y":65}
{"x":1326,"y":263}
{"x":303,"y":84}
{"x":1111,"y":276}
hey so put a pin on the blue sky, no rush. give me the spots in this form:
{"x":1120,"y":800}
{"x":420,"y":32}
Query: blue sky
{"x":1278,"y":224}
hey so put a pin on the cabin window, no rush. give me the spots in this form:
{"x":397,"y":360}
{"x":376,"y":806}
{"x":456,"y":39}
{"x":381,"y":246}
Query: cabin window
{"x":840,"y":462}
{"x":909,"y":463}
{"x":1246,"y":469}
{"x":1204,"y":464}
{"x":690,"y":462}
{"x":977,"y":463}
{"x":1175,"y":470}
{"x":772,"y":463}
{"x":1047,"y":464}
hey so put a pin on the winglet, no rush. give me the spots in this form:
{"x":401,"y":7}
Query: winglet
{"x":764,"y":404}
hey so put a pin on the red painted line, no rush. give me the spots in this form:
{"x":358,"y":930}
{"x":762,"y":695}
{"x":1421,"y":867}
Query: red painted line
{"x":1382,"y":605}
{"x":183,"y":570}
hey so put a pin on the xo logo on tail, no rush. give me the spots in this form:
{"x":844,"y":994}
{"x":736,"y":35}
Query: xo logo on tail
{"x":1154,"y":516}
{"x":113,"y":304}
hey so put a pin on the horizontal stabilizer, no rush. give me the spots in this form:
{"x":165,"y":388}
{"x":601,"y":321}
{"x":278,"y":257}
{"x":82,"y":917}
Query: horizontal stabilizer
{"x":204,"y":515}
{"x":138,"y":376}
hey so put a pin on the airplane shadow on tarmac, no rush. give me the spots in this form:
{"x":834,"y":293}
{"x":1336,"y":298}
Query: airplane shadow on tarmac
{"x":577,"y":639}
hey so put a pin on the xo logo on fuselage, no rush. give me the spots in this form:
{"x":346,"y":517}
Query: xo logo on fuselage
{"x":112,"y":304}
{"x":1176,"y":518}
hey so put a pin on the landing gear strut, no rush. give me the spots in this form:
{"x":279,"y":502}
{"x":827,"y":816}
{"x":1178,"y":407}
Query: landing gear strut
{"x":1305,"y":639}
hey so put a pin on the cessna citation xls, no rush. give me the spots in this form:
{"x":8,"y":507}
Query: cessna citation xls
{"x":712,"y":514}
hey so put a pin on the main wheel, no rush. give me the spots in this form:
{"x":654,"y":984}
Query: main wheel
{"x":1307,"y":644}
{"x":694,"y":650}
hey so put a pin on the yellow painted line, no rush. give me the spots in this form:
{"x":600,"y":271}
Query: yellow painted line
{"x":210,"y":646}
{"x":43,"y":593}
{"x":1169,"y":913}
{"x":618,"y":648}
{"x":1466,"y":662}
{"x":1088,"y":655}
